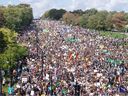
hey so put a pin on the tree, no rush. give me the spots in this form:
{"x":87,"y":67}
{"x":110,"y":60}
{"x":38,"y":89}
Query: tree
{"x":119,"y":21}
{"x":23,"y":6}
{"x":26,"y":14}
{"x":108,"y":22}
{"x":79,"y":11}
{"x":13,"y":51}
{"x":126,"y":17}
{"x":100,"y":20}
{"x":9,"y":38}
{"x":1,"y":18}
{"x":91,"y":12}
{"x":71,"y":18}
{"x":68,"y":17}
{"x":83,"y":20}
{"x":3,"y":44}
{"x":12,"y":18}
{"x":54,"y":14}
{"x":45,"y":15}
{"x":92,"y":22}
{"x":18,"y":17}
{"x":61,"y":12}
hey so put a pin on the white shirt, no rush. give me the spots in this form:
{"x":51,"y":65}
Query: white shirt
{"x":32,"y":93}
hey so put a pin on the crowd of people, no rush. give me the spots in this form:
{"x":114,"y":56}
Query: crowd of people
{"x":67,"y":60}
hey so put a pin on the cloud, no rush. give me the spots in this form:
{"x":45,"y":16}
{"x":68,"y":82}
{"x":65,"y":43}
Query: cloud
{"x":40,"y":6}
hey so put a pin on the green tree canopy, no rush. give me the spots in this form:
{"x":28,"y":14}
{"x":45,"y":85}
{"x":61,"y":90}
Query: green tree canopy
{"x":92,"y":19}
{"x":17,"y":17}
{"x":84,"y":20}
{"x":108,"y":22}
{"x":91,"y":12}
{"x":92,"y":22}
{"x":100,"y":18}
{"x":3,"y":44}
{"x":13,"y":51}
{"x":54,"y":14}
{"x":119,"y":21}
{"x":1,"y":18}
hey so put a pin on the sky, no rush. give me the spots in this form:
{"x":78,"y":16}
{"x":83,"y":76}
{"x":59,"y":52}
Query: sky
{"x":40,"y":6}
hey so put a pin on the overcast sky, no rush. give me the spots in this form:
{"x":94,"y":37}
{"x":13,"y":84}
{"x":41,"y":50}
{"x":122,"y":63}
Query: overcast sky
{"x":40,"y":6}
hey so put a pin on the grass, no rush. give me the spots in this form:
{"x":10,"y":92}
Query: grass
{"x":116,"y":35}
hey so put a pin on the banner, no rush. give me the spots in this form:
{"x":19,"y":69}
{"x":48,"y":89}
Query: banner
{"x":114,"y":62}
{"x":71,"y":40}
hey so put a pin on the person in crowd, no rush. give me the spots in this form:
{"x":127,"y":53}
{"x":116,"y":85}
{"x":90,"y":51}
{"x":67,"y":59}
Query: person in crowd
{"x":72,"y":61}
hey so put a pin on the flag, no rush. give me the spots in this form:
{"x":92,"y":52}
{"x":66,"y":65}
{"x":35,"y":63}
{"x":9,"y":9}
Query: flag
{"x":73,"y":56}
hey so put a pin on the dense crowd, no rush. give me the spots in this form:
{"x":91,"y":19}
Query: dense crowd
{"x":67,"y":60}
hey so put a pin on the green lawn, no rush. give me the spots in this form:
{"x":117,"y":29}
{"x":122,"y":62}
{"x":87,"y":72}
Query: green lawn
{"x":113,"y":34}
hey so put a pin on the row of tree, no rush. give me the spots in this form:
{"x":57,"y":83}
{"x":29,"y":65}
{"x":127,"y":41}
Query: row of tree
{"x":92,"y":19}
{"x":16,"y":17}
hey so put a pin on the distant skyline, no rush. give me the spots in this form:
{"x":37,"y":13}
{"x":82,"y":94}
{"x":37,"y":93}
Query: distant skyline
{"x":40,"y":6}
